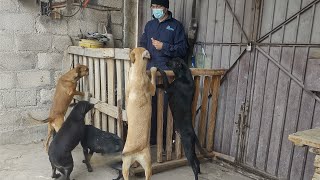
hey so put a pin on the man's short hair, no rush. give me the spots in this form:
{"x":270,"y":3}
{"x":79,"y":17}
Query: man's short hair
{"x":164,"y":3}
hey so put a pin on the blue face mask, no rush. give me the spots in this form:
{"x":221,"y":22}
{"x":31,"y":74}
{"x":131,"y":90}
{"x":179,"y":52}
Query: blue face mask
{"x":158,"y":13}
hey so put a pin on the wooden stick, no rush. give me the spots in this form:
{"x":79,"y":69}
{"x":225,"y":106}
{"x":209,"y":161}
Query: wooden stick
{"x":160,"y":123}
{"x":120,"y":79}
{"x":81,"y":79}
{"x":120,"y":120}
{"x":215,"y":85}
{"x":91,"y":82}
{"x":195,"y":98}
{"x":203,"y":115}
{"x":169,"y":135}
{"x":75,"y":62}
{"x":198,"y":72}
{"x":103,"y":76}
{"x":178,"y":146}
{"x":111,"y":94}
{"x":97,"y":119}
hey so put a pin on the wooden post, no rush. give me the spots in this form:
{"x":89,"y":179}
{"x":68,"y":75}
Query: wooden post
{"x":203,"y":115}
{"x":119,"y":70}
{"x":97,"y":119}
{"x":215,"y":84}
{"x":111,"y":95}
{"x":120,"y":120}
{"x":195,"y":98}
{"x":169,"y":135}
{"x":103,"y":72}
{"x":91,"y":82}
{"x":159,"y":123}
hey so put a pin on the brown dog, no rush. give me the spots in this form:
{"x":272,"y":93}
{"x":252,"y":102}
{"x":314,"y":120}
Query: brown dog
{"x":138,"y":98}
{"x":65,"y":90}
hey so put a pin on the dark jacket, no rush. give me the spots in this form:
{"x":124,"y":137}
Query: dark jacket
{"x":171,"y":33}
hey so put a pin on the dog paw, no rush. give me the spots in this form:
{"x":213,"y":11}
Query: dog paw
{"x":56,"y":176}
{"x":153,"y":69}
{"x":90,"y":170}
{"x":83,"y":161}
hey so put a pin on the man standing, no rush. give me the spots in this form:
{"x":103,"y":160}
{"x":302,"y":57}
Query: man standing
{"x":164,"y":38}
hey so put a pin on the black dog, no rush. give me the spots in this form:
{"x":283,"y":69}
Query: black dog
{"x":180,"y":93}
{"x":66,"y":139}
{"x":98,"y":141}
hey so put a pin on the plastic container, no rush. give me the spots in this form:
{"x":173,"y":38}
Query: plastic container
{"x":90,"y":43}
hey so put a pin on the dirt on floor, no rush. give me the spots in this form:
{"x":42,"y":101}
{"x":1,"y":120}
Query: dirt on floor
{"x":30,"y":161}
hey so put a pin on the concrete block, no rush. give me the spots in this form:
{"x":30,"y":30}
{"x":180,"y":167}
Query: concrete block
{"x":8,"y":80}
{"x":9,"y":99}
{"x":26,"y":98}
{"x":24,"y":135}
{"x":117,"y":31}
{"x":7,"y":42}
{"x":61,"y":43}
{"x":45,"y":24}
{"x":20,"y":23}
{"x":116,"y":17}
{"x":17,"y":61}
{"x":33,"y":42}
{"x":118,"y":44}
{"x":46,"y":95}
{"x":74,"y":26}
{"x":8,"y":6}
{"x":29,"y":79}
{"x":28,"y":6}
{"x":9,"y":118}
{"x":110,"y":3}
{"x":57,"y":75}
{"x":50,"y":61}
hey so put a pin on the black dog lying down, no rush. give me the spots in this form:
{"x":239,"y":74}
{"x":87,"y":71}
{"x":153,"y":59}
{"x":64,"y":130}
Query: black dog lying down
{"x":98,"y":141}
{"x":68,"y":137}
{"x":180,"y":93}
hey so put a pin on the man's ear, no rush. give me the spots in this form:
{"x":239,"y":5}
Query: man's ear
{"x":132,"y":57}
{"x":146,"y":54}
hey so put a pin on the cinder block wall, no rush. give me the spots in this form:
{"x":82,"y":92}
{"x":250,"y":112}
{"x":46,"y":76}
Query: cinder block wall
{"x":31,"y":58}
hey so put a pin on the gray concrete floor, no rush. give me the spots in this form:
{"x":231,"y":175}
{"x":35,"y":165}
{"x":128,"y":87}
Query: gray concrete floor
{"x":31,"y":162}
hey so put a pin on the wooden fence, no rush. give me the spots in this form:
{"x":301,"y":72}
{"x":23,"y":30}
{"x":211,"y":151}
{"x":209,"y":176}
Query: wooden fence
{"x":108,"y":74}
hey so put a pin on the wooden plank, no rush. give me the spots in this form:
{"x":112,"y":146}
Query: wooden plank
{"x":86,"y":88}
{"x":315,"y":38}
{"x":215,"y":84}
{"x":81,"y":80}
{"x":203,"y":18}
{"x":120,"y":120}
{"x":210,"y":33}
{"x":204,"y":107}
{"x":220,"y":117}
{"x":120,"y":96}
{"x":305,"y":119}
{"x":216,"y":57}
{"x":122,"y":53}
{"x":91,"y":76}
{"x":195,"y":98}
{"x":267,"y":110}
{"x":126,"y":74}
{"x":256,"y":108}
{"x":75,"y":62}
{"x":200,"y":71}
{"x":289,"y":107}
{"x":249,"y":19}
{"x":92,"y":52}
{"x":169,"y":135}
{"x":178,"y":146}
{"x":229,"y":123}
{"x":97,"y":95}
{"x":103,"y":73}
{"x":267,"y":16}
{"x":111,"y":93}
{"x":220,"y":14}
{"x":160,"y":123}
{"x":240,"y":98}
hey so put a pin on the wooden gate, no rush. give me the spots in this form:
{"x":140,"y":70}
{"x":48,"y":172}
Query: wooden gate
{"x":263,"y":97}
{"x":106,"y":83}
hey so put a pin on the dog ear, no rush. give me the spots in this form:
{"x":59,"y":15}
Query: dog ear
{"x":132,"y":57}
{"x":146,"y":54}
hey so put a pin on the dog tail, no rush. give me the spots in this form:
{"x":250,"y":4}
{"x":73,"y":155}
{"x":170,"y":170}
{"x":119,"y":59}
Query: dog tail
{"x":202,"y":151}
{"x":39,"y":120}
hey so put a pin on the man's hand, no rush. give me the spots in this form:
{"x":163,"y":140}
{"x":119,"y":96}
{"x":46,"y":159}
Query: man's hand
{"x":157,"y":44}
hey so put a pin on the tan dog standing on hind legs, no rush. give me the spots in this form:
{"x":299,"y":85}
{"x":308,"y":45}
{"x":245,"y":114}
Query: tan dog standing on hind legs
{"x":65,"y":90}
{"x":138,"y":97}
